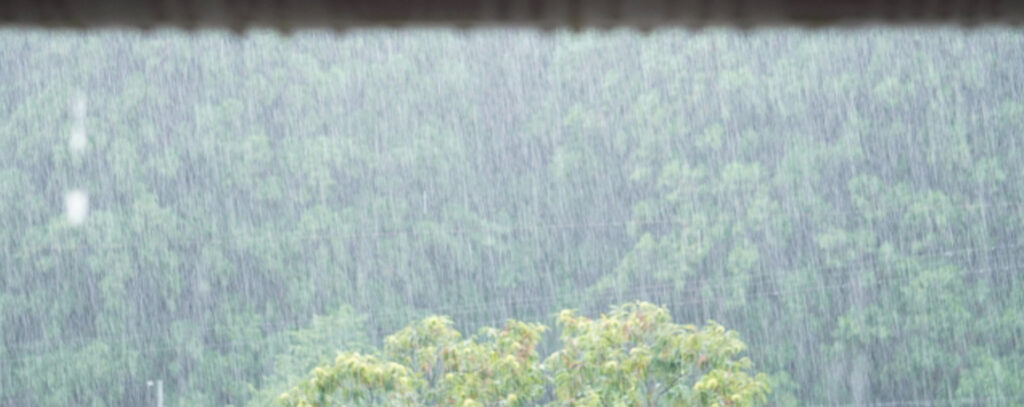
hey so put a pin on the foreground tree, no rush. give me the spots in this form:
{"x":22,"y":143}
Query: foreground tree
{"x":633,"y":356}
{"x":636,"y":356}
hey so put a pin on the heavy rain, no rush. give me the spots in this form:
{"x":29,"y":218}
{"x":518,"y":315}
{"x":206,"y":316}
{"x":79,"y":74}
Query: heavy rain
{"x":512,"y":217}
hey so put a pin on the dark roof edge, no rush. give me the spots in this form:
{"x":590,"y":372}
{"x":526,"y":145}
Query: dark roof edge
{"x":643,"y":14}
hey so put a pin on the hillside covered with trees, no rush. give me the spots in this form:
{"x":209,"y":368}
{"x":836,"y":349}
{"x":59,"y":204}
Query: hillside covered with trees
{"x":847,"y":201}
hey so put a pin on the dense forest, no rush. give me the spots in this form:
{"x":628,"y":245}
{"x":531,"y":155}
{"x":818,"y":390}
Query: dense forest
{"x":847,"y":201}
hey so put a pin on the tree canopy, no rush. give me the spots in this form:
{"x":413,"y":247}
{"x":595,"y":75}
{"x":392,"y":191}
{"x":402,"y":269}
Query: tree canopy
{"x":633,"y":356}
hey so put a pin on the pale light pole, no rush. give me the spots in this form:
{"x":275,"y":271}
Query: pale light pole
{"x":159,"y":391}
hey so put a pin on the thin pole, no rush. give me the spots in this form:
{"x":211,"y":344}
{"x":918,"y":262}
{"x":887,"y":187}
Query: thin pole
{"x":159,"y":391}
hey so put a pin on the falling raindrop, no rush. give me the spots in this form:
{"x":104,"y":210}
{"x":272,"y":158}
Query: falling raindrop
{"x":78,"y":142}
{"x":76,"y":207}
{"x":78,"y":108}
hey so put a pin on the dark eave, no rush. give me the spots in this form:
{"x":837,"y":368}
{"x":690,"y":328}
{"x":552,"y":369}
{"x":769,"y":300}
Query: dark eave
{"x":294,"y":14}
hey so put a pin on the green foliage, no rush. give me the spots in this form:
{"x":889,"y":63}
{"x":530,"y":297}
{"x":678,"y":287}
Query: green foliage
{"x":634,"y":356}
{"x":310,"y":347}
{"x":429,"y":363}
